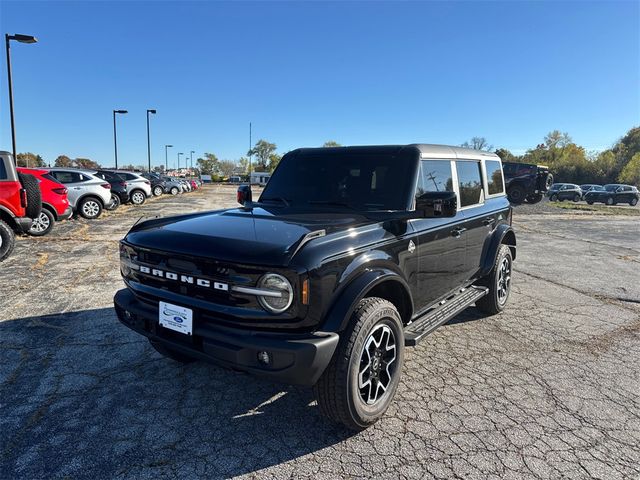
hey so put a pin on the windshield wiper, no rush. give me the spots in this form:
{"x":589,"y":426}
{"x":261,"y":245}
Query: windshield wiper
{"x":282,"y":200}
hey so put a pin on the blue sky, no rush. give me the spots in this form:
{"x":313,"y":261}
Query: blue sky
{"x":303,"y":73}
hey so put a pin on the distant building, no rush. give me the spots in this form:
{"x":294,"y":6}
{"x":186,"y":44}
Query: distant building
{"x":259,"y":178}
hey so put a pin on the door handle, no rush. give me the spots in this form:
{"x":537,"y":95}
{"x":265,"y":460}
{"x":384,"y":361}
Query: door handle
{"x":457,"y":232}
{"x":488,"y":221}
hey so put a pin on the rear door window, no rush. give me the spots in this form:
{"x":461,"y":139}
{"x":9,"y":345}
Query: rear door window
{"x":494,"y":177}
{"x":69,"y":177}
{"x":435,"y":176}
{"x":469,"y":183}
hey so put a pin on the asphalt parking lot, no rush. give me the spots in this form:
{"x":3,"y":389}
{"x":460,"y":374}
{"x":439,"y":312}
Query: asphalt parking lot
{"x":550,"y":388}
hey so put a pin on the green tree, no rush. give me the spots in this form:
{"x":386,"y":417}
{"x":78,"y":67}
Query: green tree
{"x":30,"y":160}
{"x":630,"y":174}
{"x":243,"y":165}
{"x":86,"y":163}
{"x":556,"y":138}
{"x":63,"y":161}
{"x":262,"y":150}
{"x":209,"y":165}
{"x":331,"y":143}
{"x":274,"y":160}
{"x":227,"y":167}
{"x":478,"y":143}
{"x":506,"y":156}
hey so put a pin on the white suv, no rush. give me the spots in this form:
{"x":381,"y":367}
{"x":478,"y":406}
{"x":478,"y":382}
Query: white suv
{"x":138,"y":187}
{"x":87,"y":193}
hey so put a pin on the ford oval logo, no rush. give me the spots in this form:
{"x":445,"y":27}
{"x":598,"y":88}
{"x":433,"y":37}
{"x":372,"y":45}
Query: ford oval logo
{"x":177,"y":319}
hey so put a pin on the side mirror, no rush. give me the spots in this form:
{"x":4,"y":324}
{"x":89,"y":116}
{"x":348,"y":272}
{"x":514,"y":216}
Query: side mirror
{"x":244,"y":194}
{"x":437,"y":204}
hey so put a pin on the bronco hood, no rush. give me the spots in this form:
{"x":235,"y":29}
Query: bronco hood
{"x":250,"y":236}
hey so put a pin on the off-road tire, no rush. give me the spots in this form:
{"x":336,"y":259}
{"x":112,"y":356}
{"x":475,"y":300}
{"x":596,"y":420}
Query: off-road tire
{"x":84,"y":212}
{"x":138,"y":197}
{"x":337,"y":389}
{"x":492,"y":302}
{"x":34,"y":197}
{"x":43,"y":224}
{"x":114,"y":204}
{"x":516,"y":194}
{"x":172,"y":354}
{"x":157,"y":191}
{"x":7,"y":240}
{"x":535,"y":198}
{"x":174,"y":191}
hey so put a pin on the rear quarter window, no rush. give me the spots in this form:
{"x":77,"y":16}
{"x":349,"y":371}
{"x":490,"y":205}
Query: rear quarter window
{"x":470,"y":182}
{"x":3,"y":171}
{"x":494,"y":177}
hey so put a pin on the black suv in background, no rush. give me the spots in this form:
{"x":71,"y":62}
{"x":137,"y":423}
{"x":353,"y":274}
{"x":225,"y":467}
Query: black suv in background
{"x":526,"y":182}
{"x":349,"y":255}
{"x":119,"y":193}
{"x":564,"y":191}
{"x":612,"y":194}
{"x":157,"y":183}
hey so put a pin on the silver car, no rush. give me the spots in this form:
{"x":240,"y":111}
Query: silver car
{"x":138,"y":187}
{"x":87,"y":193}
{"x":172,"y":185}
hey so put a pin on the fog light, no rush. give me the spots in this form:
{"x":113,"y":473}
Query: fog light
{"x":264,"y":358}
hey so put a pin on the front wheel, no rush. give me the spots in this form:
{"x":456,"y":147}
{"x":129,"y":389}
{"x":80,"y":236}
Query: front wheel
{"x":138,"y":197}
{"x":499,"y":283}
{"x":553,"y":197}
{"x":361,"y":380}
{"x":157,"y":191}
{"x":174,"y":190}
{"x":577,"y":198}
{"x":516,"y":194}
{"x":609,"y":201}
{"x":535,"y":198}
{"x":42,"y":224}
{"x":633,"y":202}
{"x":590,"y":202}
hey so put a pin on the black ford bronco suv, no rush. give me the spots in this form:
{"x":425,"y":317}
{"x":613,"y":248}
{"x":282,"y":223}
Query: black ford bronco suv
{"x":526,"y":182}
{"x":349,"y":255}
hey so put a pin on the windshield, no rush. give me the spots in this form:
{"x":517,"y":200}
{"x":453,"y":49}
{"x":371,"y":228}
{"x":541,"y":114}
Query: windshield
{"x":354,"y":181}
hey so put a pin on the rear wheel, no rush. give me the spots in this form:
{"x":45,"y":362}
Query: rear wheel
{"x":590,"y":202}
{"x":171,"y":353}
{"x":157,"y":191}
{"x":138,"y":197}
{"x":577,"y":198}
{"x":609,"y":201}
{"x":535,"y":198}
{"x":516,"y":194}
{"x":90,"y":208}
{"x":174,"y":190}
{"x":363,"y":375}
{"x":633,"y":202}
{"x":43,"y":224}
{"x":7,"y":240}
{"x":499,"y":283}
{"x":554,"y":197}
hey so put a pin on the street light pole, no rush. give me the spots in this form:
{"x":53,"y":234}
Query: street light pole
{"x":166,"y":162}
{"x":149,"y":139}
{"x":115,"y":137}
{"x":179,"y":162}
{"x":191,"y":154}
{"x":22,"y":39}
{"x":250,"y":148}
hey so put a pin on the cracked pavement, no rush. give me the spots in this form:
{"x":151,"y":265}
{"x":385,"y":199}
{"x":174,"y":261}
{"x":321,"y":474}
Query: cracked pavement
{"x":550,"y":388}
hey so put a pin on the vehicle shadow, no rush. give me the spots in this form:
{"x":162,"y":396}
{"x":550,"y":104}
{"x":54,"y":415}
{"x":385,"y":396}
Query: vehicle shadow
{"x":83,"y":396}
{"x":468,"y":315}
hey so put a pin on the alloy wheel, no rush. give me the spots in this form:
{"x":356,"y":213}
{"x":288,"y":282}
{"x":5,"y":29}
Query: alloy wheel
{"x":377,"y":364}
{"x":91,"y":208}
{"x":137,"y":198}
{"x":41,"y":223}
{"x":504,"y":280}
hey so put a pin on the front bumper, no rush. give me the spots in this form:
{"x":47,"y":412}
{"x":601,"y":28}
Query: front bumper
{"x":298,"y":359}
{"x":66,"y":214}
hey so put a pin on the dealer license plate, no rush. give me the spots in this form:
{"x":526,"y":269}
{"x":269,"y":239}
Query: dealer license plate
{"x":176,"y":318}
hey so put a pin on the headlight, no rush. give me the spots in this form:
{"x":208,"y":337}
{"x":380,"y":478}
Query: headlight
{"x":280,"y":296}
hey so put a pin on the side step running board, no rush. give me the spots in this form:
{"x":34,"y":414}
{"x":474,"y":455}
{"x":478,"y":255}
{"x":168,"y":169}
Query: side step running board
{"x":441,"y":313}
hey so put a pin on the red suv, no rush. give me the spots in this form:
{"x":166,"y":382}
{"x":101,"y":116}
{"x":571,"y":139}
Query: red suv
{"x":55,"y":205}
{"x":20,"y":202}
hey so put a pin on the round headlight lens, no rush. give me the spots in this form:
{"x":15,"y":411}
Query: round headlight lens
{"x":279,"y":285}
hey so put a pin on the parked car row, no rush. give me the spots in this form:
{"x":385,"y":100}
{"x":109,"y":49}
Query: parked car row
{"x":610,"y":194}
{"x":33,"y":199}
